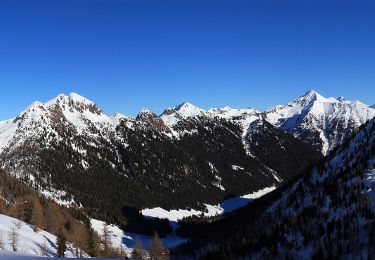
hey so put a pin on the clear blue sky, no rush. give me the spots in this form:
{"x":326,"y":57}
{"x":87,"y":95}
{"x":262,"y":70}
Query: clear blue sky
{"x":130,"y":54}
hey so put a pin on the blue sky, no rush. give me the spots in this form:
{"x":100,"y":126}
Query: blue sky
{"x":130,"y":54}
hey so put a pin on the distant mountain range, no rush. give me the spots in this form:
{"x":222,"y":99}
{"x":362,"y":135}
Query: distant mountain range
{"x":71,"y":151}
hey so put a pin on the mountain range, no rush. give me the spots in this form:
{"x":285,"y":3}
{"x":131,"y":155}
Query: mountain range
{"x":314,"y":155}
{"x":186,"y":157}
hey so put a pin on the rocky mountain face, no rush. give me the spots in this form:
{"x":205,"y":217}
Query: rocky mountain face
{"x":71,"y":151}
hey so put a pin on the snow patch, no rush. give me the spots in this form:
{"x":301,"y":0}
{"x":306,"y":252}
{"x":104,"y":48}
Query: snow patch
{"x":211,"y":210}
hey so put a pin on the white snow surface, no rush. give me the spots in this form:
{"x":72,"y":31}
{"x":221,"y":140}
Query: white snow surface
{"x":29,"y":242}
{"x":211,"y":210}
{"x":127,"y":240}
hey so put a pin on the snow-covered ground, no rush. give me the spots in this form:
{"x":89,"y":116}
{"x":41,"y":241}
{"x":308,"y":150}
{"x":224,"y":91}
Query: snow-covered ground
{"x":8,"y":255}
{"x":127,"y":240}
{"x":211,"y":210}
{"x":29,"y":242}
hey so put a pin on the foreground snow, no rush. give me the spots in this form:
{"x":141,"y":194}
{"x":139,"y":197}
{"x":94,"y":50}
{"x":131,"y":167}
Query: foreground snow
{"x":211,"y":210}
{"x":8,"y":255}
{"x":29,"y":242}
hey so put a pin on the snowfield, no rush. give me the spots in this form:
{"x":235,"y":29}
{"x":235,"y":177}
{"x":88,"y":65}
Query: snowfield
{"x":8,"y":255}
{"x":29,"y":242}
{"x":211,"y":210}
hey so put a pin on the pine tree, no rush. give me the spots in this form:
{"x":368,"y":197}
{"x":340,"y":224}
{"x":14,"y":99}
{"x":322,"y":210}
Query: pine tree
{"x":61,"y":243}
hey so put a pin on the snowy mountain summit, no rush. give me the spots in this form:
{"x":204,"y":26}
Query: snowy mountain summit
{"x":65,"y":112}
{"x":322,"y":122}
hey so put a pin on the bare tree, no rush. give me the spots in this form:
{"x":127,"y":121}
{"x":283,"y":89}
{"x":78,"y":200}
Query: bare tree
{"x":43,"y":248}
{"x":122,"y":252}
{"x":2,"y":244}
{"x":13,"y":238}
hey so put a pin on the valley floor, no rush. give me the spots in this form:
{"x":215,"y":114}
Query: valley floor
{"x":211,"y":210}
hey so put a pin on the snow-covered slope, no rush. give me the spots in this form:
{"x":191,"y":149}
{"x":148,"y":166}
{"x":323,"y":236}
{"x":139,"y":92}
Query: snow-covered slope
{"x":73,"y":112}
{"x":29,"y":242}
{"x":186,"y":112}
{"x":127,"y":240}
{"x":322,"y":122}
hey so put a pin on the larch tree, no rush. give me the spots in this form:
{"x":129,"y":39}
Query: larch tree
{"x":138,"y":251}
{"x":157,"y":250}
{"x":106,"y":239}
{"x":38,"y":218}
{"x":61,"y":243}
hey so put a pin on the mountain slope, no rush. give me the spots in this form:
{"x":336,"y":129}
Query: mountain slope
{"x":326,"y":214}
{"x":29,"y":242}
{"x":323,"y":122}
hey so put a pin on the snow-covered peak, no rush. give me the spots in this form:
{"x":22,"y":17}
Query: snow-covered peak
{"x":230,"y":113}
{"x":145,"y":111}
{"x":70,"y":100}
{"x":172,"y":116}
{"x":312,"y":114}
{"x":312,"y":94}
{"x":147,"y":115}
{"x":189,"y":110}
{"x":79,"y":99}
{"x":73,"y":112}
